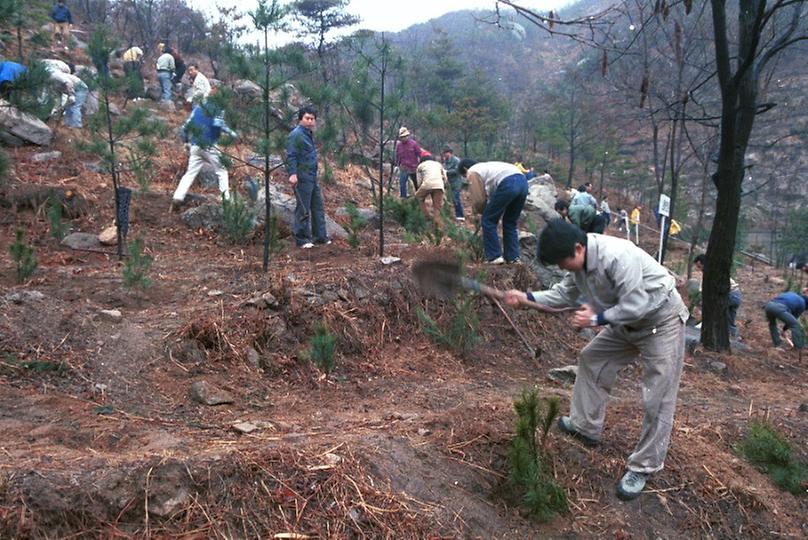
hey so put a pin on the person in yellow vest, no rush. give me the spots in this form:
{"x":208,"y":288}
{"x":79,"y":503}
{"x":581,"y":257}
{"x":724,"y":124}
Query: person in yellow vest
{"x":675,"y":228}
{"x":635,"y":221}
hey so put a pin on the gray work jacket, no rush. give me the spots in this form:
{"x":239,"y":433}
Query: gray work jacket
{"x":622,"y":283}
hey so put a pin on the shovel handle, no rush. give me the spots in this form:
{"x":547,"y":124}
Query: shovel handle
{"x":500,"y":295}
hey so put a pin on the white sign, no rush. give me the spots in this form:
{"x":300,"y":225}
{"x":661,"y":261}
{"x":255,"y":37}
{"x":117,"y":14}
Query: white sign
{"x":664,"y":205}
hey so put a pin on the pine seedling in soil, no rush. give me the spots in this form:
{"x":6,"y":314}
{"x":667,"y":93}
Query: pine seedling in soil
{"x":23,"y":256}
{"x":238,"y":218}
{"x":469,"y":242}
{"x":137,"y":266}
{"x":529,"y":477}
{"x":770,"y":452}
{"x":54,"y":210}
{"x":322,"y":348}
{"x":461,"y":333}
{"x":356,"y":223}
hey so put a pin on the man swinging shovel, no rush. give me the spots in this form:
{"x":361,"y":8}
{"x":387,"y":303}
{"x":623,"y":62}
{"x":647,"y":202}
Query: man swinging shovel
{"x":618,"y":286}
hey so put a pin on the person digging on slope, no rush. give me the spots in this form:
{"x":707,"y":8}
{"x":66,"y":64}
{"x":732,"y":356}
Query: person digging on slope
{"x":622,"y":289}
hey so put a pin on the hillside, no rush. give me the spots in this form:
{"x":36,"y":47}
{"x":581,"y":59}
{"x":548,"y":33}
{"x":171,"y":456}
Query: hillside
{"x":195,"y":408}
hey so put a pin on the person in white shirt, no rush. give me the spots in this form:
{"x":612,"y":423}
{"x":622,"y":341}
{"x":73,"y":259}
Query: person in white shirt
{"x":201,"y":86}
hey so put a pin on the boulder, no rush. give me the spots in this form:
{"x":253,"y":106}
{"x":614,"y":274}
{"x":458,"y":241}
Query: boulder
{"x":80,"y":240}
{"x":18,"y":128}
{"x":541,"y":199}
{"x":109,"y":236}
{"x":548,"y":275}
{"x":369,"y":214}
{"x":91,"y":105}
{"x":283,"y":206}
{"x":244,"y":87}
{"x":46,"y":156}
{"x":207,"y":216}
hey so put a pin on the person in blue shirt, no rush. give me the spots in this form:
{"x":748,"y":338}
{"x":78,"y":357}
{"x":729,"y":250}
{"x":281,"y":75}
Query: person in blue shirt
{"x":787,"y":308}
{"x":301,"y":164}
{"x":62,"y":21}
{"x":202,"y":130}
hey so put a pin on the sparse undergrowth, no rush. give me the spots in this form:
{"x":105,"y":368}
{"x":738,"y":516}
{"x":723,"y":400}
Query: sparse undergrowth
{"x":461,"y":334}
{"x":322,"y":348}
{"x":136,"y":267}
{"x":23,"y":255}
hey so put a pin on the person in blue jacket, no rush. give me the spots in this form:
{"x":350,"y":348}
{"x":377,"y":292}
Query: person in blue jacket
{"x":301,"y":164}
{"x":62,"y":21}
{"x":787,"y":308}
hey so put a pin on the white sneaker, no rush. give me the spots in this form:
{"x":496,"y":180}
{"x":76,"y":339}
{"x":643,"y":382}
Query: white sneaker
{"x":460,"y":219}
{"x":307,"y":245}
{"x":498,"y":260}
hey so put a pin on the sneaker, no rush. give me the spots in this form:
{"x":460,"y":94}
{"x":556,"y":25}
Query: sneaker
{"x":631,"y":485}
{"x":307,"y":245}
{"x":515,"y":261}
{"x":565,"y":425}
{"x":498,"y":260}
{"x":461,"y":218}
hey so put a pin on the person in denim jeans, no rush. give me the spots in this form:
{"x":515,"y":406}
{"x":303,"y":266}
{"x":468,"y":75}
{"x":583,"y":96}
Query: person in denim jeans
{"x":498,"y":191}
{"x":733,"y":297}
{"x":165,"y":73}
{"x":408,"y":156}
{"x":301,"y":163}
{"x":75,"y":91}
{"x":451,"y":163}
{"x":787,"y":308}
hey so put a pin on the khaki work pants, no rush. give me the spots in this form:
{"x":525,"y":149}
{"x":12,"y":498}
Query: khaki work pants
{"x":660,"y":349}
{"x":197,"y":158}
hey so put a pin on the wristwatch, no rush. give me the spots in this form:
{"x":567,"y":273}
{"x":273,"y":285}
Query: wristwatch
{"x":593,"y":320}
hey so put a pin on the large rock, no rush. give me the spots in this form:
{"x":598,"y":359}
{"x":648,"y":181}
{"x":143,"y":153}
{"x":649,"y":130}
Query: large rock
{"x":370,"y":215}
{"x":541,"y":199}
{"x":80,"y":240}
{"x":207,"y":216}
{"x":18,"y":128}
{"x":208,"y":394}
{"x":247,"y":88}
{"x":548,"y":275}
{"x":283,"y":206}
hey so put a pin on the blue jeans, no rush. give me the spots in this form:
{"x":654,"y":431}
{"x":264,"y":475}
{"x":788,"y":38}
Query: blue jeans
{"x":403,"y":176}
{"x":309,"y":212}
{"x":505,"y":203}
{"x":73,"y":111}
{"x":732,"y":311}
{"x":456,"y":184}
{"x":165,"y":85}
{"x":775,"y":311}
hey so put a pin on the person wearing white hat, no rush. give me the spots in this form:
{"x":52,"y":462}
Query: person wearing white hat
{"x":408,"y":155}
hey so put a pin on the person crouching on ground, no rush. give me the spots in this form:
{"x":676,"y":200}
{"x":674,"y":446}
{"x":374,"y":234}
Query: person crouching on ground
{"x":733,"y":297}
{"x":634,"y":298}
{"x":498,"y":191}
{"x":202,"y":130}
{"x":431,"y":181}
{"x":787,"y":308}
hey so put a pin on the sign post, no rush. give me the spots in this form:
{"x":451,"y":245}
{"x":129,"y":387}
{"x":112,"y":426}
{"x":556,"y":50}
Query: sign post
{"x":664,"y":212}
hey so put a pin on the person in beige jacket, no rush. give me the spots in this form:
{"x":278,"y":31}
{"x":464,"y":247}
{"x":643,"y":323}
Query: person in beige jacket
{"x":431,"y":178}
{"x":619,"y":287}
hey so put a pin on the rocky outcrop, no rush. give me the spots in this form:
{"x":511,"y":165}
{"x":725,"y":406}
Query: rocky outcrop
{"x":18,"y":128}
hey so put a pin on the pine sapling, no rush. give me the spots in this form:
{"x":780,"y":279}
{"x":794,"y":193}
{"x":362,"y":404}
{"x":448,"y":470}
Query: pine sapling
{"x":356,"y":223}
{"x":322,"y":348}
{"x":54,"y":210}
{"x":137,"y":266}
{"x":239,"y":219}
{"x":23,"y":256}
{"x":529,"y":476}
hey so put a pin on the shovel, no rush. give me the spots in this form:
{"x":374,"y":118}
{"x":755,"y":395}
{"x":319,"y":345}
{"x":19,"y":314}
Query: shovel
{"x":444,"y":279}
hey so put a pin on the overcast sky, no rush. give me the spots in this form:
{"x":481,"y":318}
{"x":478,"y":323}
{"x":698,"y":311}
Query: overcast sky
{"x":394,"y":15}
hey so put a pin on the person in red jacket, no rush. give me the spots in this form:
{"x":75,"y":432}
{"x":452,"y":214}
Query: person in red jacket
{"x":408,"y":156}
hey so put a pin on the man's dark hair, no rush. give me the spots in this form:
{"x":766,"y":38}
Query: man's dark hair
{"x":168,"y":50}
{"x":561,"y":205}
{"x":701,"y":258}
{"x":465,"y":165}
{"x":426,"y":157}
{"x":557,"y":241}
{"x":308,"y":109}
{"x":448,"y":149}
{"x":195,"y":66}
{"x":582,"y":188}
